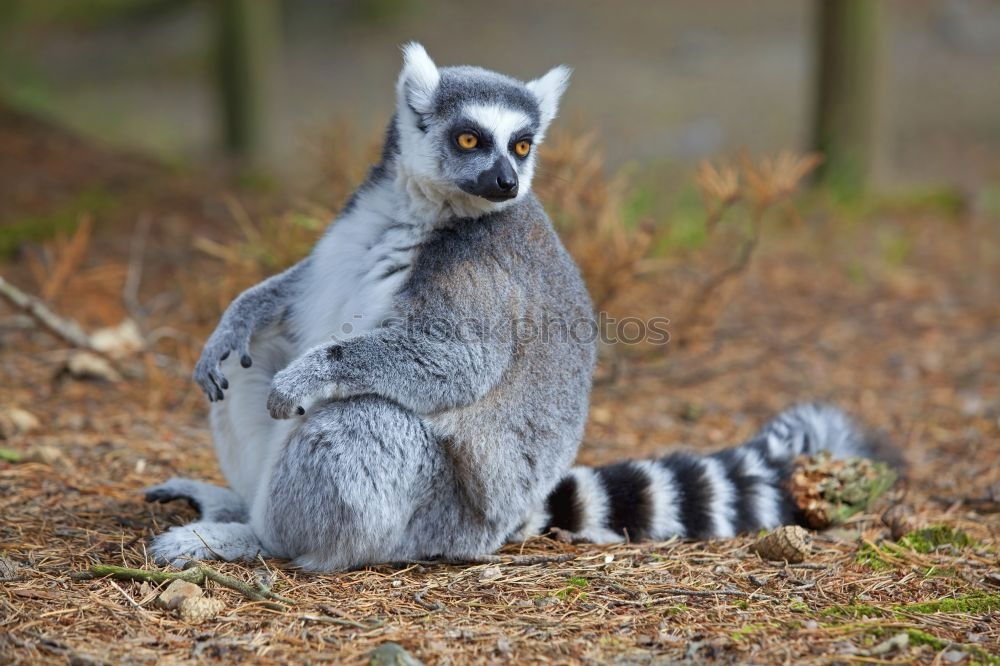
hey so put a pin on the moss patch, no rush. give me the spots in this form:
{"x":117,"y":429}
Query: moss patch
{"x":871,"y":557}
{"x":973,"y":604}
{"x":928,"y":540}
{"x":37,"y":228}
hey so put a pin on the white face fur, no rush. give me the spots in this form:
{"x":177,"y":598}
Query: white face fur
{"x":467,"y":136}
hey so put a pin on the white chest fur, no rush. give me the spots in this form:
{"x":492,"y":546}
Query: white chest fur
{"x":355,"y":272}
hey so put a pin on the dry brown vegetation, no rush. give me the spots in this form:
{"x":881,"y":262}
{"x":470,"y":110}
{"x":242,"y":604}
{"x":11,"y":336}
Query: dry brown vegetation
{"x":894,"y":318}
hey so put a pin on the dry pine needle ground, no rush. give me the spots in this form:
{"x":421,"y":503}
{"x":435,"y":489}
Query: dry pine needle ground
{"x":911,"y":348}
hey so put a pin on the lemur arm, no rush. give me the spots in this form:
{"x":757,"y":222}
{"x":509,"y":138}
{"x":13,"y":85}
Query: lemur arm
{"x":256,"y":308}
{"x":422,"y":372}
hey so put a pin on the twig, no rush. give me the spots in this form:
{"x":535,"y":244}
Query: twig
{"x":715,"y":593}
{"x":196,"y":575}
{"x":426,"y":605}
{"x":132,"y":602}
{"x":704,"y":372}
{"x":341,"y":621}
{"x":977,"y":504}
{"x":133,"y":278}
{"x":514,"y":560}
{"x":718,"y":279}
{"x":66,"y":330}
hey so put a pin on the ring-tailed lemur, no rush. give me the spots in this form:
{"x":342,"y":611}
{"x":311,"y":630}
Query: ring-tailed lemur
{"x":371,"y":403}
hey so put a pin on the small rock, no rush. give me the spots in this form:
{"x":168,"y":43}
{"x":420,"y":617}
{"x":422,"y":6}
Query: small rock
{"x":601,"y":415}
{"x":176,"y":592}
{"x":265,"y":578}
{"x":72,"y":421}
{"x":89,"y":366}
{"x":545,"y":601}
{"x":118,"y":341}
{"x":503,"y":645}
{"x":901,"y":519}
{"x":897,"y":643}
{"x":954,"y":656}
{"x":489,"y":573}
{"x":992,"y":579}
{"x":17,"y":421}
{"x":47,"y":455}
{"x":198,"y":609}
{"x":392,"y":654}
{"x":8,"y":568}
{"x":397,"y":583}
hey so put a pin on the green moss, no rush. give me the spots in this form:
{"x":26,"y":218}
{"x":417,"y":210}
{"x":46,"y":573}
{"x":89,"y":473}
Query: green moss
{"x":856,"y":611}
{"x":918,"y":637}
{"x":35,"y":228}
{"x":748,"y":630}
{"x":798,"y":607}
{"x":927,"y":540}
{"x":575,"y":585}
{"x":10,"y":455}
{"x":973,"y":604}
{"x":871,"y":557}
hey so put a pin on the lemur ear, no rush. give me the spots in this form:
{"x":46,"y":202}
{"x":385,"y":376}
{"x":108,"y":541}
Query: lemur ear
{"x":418,"y":80}
{"x":547,"y":90}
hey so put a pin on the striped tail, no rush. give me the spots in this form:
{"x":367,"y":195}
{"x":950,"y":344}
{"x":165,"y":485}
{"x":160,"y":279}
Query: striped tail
{"x":735,"y":490}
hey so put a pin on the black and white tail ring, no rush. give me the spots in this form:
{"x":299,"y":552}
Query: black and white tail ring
{"x":736,"y":490}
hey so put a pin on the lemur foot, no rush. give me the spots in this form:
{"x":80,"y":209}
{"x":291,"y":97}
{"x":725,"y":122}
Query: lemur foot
{"x":205,"y":541}
{"x":215,"y":504}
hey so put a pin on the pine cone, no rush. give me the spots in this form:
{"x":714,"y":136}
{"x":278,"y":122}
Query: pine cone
{"x":789,"y":543}
{"x":828,"y":490}
{"x":199,"y":609}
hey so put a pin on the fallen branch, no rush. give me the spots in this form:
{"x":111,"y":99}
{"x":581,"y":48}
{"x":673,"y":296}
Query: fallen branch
{"x":714,"y":593}
{"x":197,"y":575}
{"x":66,"y":330}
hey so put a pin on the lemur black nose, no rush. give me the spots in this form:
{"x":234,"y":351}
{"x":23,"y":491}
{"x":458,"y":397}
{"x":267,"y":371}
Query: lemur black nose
{"x":506,"y":183}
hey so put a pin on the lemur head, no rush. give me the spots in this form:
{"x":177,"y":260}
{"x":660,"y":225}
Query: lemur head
{"x":467,"y":136}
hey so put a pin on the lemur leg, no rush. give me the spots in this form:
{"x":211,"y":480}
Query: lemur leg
{"x":215,"y":504}
{"x":362,"y":480}
{"x":205,"y":540}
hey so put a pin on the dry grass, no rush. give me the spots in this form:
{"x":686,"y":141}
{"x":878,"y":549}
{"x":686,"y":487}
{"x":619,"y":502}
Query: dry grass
{"x":911,"y":348}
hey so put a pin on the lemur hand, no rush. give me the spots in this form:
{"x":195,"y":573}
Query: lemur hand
{"x":312,"y":376}
{"x":208,"y":371}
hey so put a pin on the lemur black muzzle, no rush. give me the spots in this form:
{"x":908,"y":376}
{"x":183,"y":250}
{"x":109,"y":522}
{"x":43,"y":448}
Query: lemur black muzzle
{"x":498,"y":183}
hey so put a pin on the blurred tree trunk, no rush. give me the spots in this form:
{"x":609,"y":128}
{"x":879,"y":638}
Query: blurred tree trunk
{"x":246,"y":34}
{"x":846,"y":91}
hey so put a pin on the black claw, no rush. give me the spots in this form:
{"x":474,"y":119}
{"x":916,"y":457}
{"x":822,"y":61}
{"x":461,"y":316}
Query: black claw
{"x":300,"y":411}
{"x":219,"y":395}
{"x":225,"y":383}
{"x":246,"y":361}
{"x":224,"y":356}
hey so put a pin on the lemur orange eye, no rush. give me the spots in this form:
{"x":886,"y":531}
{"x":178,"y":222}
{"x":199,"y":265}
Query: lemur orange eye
{"x":467,"y":140}
{"x":522,"y":148}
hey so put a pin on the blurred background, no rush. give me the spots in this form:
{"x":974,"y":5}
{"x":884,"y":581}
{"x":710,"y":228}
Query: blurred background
{"x":664,"y":83}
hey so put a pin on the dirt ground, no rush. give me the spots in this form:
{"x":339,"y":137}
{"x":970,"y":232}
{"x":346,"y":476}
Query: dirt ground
{"x":891,"y":313}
